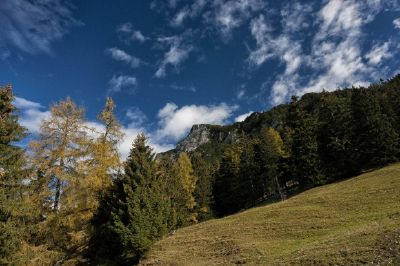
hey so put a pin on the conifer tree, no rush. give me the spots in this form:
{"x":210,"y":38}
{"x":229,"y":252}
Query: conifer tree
{"x":12,"y":174}
{"x":204,"y":171}
{"x":305,"y":160}
{"x":185,"y":185}
{"x":227,"y":182}
{"x":272,"y":151}
{"x":375,"y":140}
{"x":136,"y":212}
{"x":60,"y":188}
{"x":104,"y":158}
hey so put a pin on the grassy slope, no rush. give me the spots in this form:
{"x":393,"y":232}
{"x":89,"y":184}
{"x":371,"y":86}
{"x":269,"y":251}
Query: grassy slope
{"x":351,"y":222}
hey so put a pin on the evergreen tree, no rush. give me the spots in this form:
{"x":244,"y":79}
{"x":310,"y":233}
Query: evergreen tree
{"x":12,"y":174}
{"x":204,"y":172}
{"x":227,"y":182}
{"x":136,"y":213}
{"x":334,"y":135}
{"x":375,"y":140}
{"x":305,"y":160}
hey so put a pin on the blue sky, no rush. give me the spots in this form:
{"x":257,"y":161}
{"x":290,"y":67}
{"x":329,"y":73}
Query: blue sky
{"x":174,"y":63}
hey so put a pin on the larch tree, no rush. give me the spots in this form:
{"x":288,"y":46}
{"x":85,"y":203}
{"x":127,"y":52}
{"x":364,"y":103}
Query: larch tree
{"x":61,"y":193}
{"x":273,"y":151}
{"x":185,"y":185}
{"x":104,"y":160}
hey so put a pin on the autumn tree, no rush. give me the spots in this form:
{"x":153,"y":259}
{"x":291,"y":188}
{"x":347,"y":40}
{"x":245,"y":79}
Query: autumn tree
{"x":104,"y":161}
{"x":273,"y":152}
{"x":60,"y":187}
{"x":184,"y":186}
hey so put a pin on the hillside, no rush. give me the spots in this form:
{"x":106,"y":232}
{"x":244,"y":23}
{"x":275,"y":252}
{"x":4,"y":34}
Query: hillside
{"x":355,"y":221}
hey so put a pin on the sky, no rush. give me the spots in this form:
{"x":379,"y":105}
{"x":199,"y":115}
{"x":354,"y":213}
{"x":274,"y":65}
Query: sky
{"x":169,"y":64}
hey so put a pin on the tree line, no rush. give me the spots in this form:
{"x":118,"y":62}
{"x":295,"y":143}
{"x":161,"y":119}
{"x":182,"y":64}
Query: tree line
{"x":69,"y":199}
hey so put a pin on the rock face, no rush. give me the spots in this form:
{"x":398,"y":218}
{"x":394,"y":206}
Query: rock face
{"x":203,"y":133}
{"x":199,"y":135}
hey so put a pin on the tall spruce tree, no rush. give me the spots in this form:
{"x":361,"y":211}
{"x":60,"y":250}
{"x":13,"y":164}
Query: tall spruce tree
{"x":305,"y":162}
{"x":135,"y":214}
{"x":376,"y":141}
{"x":227,"y":182}
{"x":12,"y":175}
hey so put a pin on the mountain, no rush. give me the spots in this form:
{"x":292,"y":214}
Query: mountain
{"x":356,"y":221}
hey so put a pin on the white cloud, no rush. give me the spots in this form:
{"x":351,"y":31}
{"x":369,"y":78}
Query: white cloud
{"x":175,"y":122}
{"x":178,"y":52}
{"x":241,"y":94}
{"x":136,"y":116}
{"x":379,"y":53}
{"x":31,"y":114}
{"x":120,"y":55}
{"x":32,"y":26}
{"x":179,"y":18}
{"x":396,"y":23}
{"x":229,"y":15}
{"x":128,"y":33}
{"x":117,"y":83}
{"x":242,"y":117}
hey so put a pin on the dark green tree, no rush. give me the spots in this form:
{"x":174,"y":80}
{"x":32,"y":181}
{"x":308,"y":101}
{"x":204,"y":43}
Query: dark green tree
{"x":227,"y":182}
{"x":13,"y":172}
{"x":375,"y":140}
{"x":305,"y":161}
{"x":135,"y":213}
{"x":204,"y":171}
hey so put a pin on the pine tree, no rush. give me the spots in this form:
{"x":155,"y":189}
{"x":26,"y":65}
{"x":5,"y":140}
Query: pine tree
{"x":135,"y":214}
{"x":13,"y":172}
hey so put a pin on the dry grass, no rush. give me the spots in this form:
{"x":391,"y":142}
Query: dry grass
{"x":352,"y":222}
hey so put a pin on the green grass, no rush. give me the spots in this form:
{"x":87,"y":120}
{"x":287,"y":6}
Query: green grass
{"x":356,"y":221}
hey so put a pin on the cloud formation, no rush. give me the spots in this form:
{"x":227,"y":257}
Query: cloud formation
{"x":31,"y":114}
{"x":118,"y":83}
{"x":242,"y":117}
{"x":120,"y":55}
{"x":396,"y":23}
{"x":337,"y":57}
{"x":127,"y":33}
{"x":32,"y":26}
{"x":177,"y":53}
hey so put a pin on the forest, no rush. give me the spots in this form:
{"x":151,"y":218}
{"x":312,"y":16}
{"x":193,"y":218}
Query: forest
{"x":68,"y":198}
